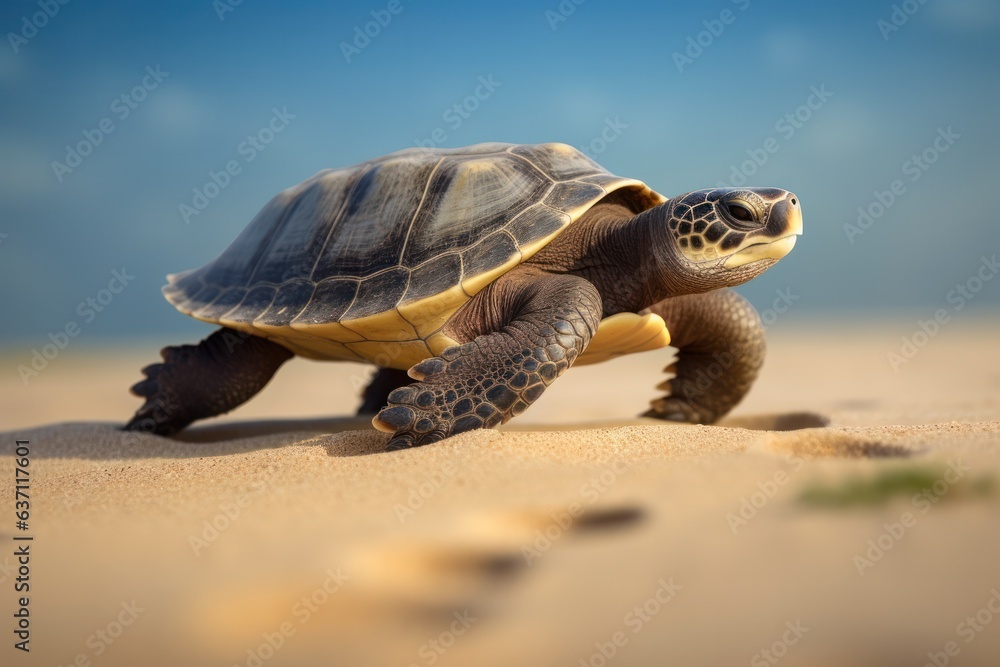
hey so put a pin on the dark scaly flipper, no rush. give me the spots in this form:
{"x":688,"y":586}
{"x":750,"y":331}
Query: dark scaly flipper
{"x":198,"y":381}
{"x":721,"y":348}
{"x":524,"y":330}
{"x":376,"y":394}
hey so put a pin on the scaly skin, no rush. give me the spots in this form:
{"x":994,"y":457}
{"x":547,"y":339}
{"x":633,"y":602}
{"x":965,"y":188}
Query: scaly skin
{"x":496,"y":376}
{"x":197,"y":381}
{"x":721,"y":348}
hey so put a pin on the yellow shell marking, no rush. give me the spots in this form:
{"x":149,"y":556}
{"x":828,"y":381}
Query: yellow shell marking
{"x":625,"y":333}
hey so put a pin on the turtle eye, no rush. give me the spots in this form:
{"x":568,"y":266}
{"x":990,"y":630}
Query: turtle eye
{"x":740,"y":212}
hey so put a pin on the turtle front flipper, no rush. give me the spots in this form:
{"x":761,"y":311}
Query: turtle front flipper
{"x":197,"y":381}
{"x":720,"y":342}
{"x":523,"y":331}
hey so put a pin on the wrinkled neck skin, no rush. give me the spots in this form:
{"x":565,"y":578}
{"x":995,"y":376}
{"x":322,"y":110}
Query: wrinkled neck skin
{"x":633,"y":259}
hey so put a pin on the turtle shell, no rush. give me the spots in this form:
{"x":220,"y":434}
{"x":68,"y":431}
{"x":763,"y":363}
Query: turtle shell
{"x":369,"y":262}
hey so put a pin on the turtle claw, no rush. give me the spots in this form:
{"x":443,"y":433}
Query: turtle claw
{"x":152,"y":417}
{"x":432,"y":437}
{"x":427,"y":367}
{"x":411,"y":417}
{"x":403,"y":394}
{"x":159,"y":414}
{"x":143,"y":389}
{"x":404,"y":441}
{"x":413,"y":437}
{"x":675,"y":410}
{"x":442,"y":404}
{"x":148,"y":387}
{"x":670,"y":417}
{"x":394,"y":418}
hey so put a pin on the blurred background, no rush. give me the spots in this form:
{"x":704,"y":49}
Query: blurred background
{"x":139,"y":138}
{"x":881,"y":117}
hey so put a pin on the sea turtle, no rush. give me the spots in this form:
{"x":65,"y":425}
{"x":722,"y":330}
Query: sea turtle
{"x":473,"y":278}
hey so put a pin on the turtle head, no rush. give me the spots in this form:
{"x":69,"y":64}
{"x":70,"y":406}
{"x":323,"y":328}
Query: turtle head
{"x":727,"y":236}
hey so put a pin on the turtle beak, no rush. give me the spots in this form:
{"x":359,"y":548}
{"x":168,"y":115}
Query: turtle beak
{"x":784,"y":226}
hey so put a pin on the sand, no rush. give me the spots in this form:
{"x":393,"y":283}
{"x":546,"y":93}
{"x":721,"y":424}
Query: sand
{"x":845,"y":514}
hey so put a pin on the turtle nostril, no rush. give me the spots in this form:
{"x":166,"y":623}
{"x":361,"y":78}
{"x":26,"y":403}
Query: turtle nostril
{"x":794,"y":201}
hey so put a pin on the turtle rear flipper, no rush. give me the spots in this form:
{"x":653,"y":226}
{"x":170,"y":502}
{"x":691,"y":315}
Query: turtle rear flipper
{"x":383,"y":383}
{"x":197,"y":381}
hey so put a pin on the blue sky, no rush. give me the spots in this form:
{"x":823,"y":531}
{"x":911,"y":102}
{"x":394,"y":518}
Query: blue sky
{"x":607,"y":69}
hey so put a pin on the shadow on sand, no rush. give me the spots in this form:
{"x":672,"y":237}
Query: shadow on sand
{"x":105,"y":441}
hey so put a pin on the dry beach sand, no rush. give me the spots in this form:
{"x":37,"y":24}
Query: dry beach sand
{"x":846,"y":514}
